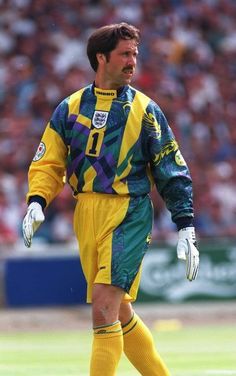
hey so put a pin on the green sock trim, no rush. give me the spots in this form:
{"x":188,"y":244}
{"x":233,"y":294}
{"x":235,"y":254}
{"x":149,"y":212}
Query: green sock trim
{"x":123,"y":326}
{"x":106,"y":325}
{"x":132,"y":327}
{"x":113,"y":328}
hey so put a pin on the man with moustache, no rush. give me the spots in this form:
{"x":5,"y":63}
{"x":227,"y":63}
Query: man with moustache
{"x":113,"y":143}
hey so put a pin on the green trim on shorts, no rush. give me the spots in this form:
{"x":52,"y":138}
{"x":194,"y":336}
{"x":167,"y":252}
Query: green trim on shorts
{"x":130,"y":242}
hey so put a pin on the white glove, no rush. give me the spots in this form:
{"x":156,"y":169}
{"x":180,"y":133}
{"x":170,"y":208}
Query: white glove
{"x":187,"y":250}
{"x":31,"y":222}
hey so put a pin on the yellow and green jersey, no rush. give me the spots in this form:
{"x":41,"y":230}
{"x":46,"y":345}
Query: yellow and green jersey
{"x":114,"y":142}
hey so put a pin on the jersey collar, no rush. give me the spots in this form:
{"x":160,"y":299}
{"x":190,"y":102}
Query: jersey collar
{"x":107,"y":94}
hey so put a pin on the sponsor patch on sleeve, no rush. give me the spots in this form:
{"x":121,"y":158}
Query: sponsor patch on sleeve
{"x":179,"y":159}
{"x":40,"y":152}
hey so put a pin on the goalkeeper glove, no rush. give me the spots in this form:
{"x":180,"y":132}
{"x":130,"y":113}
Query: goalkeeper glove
{"x":187,"y":250}
{"x":31,"y":222}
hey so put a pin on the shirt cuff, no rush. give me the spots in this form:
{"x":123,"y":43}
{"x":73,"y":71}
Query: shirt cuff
{"x":183,"y":222}
{"x":38,"y":199}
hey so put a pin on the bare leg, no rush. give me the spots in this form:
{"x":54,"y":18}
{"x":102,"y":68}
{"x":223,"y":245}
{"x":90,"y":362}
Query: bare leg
{"x":106,"y":301}
{"x":108,"y":336}
{"x":126,"y":313}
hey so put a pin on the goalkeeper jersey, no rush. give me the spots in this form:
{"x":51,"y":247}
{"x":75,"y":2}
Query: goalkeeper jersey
{"x":114,"y":142}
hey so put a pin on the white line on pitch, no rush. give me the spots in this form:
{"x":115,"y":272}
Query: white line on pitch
{"x":221,"y":372}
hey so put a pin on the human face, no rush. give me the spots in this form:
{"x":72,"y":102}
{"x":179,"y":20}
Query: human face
{"x":118,"y":70}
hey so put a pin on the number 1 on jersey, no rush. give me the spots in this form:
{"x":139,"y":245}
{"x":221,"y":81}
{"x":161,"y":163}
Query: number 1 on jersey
{"x":94,"y":143}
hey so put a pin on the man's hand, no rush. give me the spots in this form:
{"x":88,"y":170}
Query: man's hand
{"x":33,"y":219}
{"x":187,"y":250}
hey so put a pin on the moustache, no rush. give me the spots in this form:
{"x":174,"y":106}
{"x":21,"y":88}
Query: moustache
{"x":128,"y":68}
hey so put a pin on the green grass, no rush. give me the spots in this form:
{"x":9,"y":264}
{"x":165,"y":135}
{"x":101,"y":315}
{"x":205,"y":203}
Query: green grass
{"x":191,"y":351}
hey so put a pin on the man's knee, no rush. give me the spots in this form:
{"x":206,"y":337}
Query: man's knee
{"x":106,"y":300}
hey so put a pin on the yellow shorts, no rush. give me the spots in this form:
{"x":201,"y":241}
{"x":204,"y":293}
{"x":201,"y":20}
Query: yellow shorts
{"x":113,"y":233}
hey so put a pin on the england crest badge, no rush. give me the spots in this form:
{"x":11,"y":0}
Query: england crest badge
{"x":99,"y":119}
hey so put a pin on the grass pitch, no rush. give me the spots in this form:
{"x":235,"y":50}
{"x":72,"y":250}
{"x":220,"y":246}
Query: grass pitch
{"x":188,"y":351}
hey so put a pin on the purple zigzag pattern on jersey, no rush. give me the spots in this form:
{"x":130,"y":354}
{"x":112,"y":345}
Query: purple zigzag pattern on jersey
{"x":74,"y":145}
{"x":101,"y":176}
{"x":80,"y":128}
{"x":72,"y":118}
{"x":75,"y":163}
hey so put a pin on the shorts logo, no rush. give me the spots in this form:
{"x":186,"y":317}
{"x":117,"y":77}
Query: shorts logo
{"x":40,"y":152}
{"x":149,"y":238}
{"x":99,"y":119}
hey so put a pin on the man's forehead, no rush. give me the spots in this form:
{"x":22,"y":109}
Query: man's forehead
{"x":127,"y":44}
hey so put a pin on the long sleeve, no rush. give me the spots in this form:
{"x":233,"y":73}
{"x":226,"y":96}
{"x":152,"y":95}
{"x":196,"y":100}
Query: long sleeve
{"x":168,"y":168}
{"x":47,"y":171}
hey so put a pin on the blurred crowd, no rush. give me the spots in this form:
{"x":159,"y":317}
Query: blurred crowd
{"x":186,"y":64}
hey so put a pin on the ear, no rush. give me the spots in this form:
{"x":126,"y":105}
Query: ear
{"x":101,"y":58}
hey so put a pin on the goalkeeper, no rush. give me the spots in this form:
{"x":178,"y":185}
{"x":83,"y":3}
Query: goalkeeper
{"x":113,"y":143}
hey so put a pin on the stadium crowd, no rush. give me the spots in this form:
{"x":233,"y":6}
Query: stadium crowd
{"x":186,"y":64}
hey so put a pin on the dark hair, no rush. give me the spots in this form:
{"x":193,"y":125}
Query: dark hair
{"x":106,"y":38}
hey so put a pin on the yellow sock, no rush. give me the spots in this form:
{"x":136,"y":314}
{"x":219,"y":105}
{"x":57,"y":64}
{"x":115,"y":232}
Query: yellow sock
{"x":139,"y":347}
{"x":107,"y":349}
